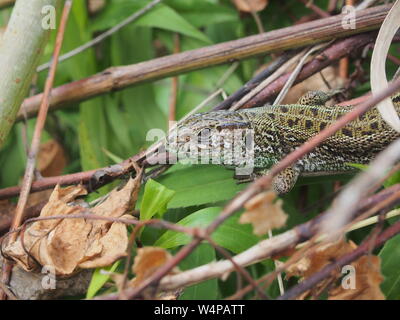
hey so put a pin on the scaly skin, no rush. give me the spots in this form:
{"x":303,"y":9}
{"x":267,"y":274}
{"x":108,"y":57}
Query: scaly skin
{"x":280,"y":129}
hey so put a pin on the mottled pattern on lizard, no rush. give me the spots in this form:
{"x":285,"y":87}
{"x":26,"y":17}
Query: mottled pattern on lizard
{"x":280,"y":129}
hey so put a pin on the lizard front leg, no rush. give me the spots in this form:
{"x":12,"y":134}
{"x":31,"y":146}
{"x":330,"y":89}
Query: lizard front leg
{"x":282,"y":183}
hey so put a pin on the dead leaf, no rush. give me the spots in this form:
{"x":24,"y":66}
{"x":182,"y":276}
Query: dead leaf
{"x":250,"y":5}
{"x":367,"y":272}
{"x":113,"y":246}
{"x":147,"y":261}
{"x":367,"y":282}
{"x":72,"y":244}
{"x":51,"y":162}
{"x":323,"y":255}
{"x":51,"y":159}
{"x":264,"y":213}
{"x":6,"y":206}
{"x":96,"y":6}
{"x":38,"y":235}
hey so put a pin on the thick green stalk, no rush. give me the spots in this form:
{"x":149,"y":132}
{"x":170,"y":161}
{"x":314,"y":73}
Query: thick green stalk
{"x":20,"y":51}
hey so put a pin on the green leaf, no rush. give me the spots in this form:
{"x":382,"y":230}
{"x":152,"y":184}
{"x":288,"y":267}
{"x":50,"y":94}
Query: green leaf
{"x":357,"y":165}
{"x":99,"y":278}
{"x":203,"y":13}
{"x":200,"y":184}
{"x":393,"y":179}
{"x":230,"y":235}
{"x":160,"y":16}
{"x":112,"y":156}
{"x":390,"y":255}
{"x":207,"y":290}
{"x":155,"y":200}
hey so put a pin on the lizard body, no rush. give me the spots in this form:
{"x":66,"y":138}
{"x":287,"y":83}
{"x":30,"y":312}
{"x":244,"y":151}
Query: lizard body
{"x":280,"y":129}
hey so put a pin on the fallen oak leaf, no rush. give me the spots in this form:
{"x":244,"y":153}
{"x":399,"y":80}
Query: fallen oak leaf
{"x":264,"y":213}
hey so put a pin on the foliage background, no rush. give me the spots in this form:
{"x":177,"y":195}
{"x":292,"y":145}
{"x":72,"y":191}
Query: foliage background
{"x":98,"y":132}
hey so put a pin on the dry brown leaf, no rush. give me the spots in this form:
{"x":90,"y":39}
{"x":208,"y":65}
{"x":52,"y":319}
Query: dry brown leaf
{"x":250,"y":5}
{"x":71,"y":244}
{"x":147,"y":261}
{"x":38,"y":234}
{"x":6,"y":206}
{"x":264,"y":213}
{"x":367,"y":283}
{"x":323,"y":255}
{"x":113,"y":246}
{"x":96,"y":5}
{"x":367,"y":272}
{"x":51,"y":159}
{"x":119,"y":201}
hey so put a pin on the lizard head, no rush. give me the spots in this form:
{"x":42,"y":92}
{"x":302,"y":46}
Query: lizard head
{"x":204,"y":137}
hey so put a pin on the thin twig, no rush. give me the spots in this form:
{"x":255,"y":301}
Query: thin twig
{"x":255,"y":81}
{"x":295,"y":73}
{"x":118,"y":78}
{"x":363,"y":249}
{"x":315,"y":8}
{"x":333,"y":53}
{"x":31,"y":161}
{"x":346,"y":202}
{"x":266,"y":81}
{"x":238,"y":268}
{"x":174,"y":84}
{"x":308,"y":231}
{"x":103,"y":36}
{"x":265,"y":181}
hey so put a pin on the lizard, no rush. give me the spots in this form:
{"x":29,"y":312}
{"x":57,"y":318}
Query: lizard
{"x":280,"y":129}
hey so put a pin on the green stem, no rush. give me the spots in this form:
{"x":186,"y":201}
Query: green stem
{"x":20,"y":51}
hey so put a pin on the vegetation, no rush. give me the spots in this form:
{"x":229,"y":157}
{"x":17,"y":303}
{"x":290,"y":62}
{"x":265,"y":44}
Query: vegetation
{"x":92,"y":133}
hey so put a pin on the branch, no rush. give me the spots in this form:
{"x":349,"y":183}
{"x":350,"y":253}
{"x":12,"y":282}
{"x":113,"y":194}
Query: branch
{"x":118,"y":78}
{"x":346,"y":202}
{"x":264,"y":182}
{"x":363,"y":249}
{"x":103,"y":36}
{"x":263,"y":250}
{"x":335,"y":52}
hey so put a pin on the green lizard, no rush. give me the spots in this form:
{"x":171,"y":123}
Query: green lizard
{"x":278,"y":130}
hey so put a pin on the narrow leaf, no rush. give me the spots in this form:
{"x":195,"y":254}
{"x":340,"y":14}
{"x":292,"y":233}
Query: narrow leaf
{"x":99,"y":278}
{"x":155,"y":200}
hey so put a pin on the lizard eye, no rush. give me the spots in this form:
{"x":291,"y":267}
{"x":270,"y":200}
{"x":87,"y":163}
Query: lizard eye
{"x":204,"y":133}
